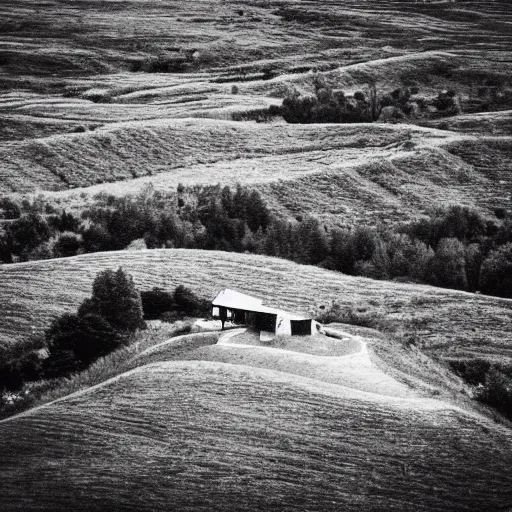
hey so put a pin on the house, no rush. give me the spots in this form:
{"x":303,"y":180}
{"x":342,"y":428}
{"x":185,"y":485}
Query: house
{"x":244,"y":309}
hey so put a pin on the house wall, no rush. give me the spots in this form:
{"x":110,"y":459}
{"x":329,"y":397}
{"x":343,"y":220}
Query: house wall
{"x":283,"y":325}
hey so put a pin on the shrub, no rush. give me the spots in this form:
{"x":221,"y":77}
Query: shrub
{"x":18,"y":365}
{"x":448,"y":266}
{"x":74,"y":341}
{"x":472,"y":371}
{"x":9,"y":209}
{"x":162,"y":64}
{"x":496,"y":272}
{"x":187,"y":302}
{"x":362,"y":316}
{"x":155,"y":302}
{"x":447,"y":103}
{"x":497,"y":391}
{"x":43,"y":251}
{"x":27,"y":232}
{"x":68,"y":244}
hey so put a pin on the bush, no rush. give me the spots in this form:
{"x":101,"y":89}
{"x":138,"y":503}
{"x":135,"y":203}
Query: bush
{"x":155,"y":302}
{"x":27,"y":232}
{"x":68,"y":244}
{"x":362,"y":316}
{"x":189,"y":303}
{"x":9,"y":209}
{"x":497,"y":391}
{"x":75,"y":340}
{"x":447,"y":103}
{"x":496,"y":272}
{"x":18,"y":365}
{"x":448,"y":266}
{"x":472,"y":371}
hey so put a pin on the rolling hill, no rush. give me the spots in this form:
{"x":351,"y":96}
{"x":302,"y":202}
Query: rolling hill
{"x":110,"y":96}
{"x":206,"y":435}
{"x":339,"y":173}
{"x":75,"y":115}
{"x":453,"y":323}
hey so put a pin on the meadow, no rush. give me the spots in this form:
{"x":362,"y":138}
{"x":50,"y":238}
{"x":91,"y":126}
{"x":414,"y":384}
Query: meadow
{"x":201,"y":435}
{"x":447,"y":322}
{"x":76,"y":118}
{"x":111,"y":97}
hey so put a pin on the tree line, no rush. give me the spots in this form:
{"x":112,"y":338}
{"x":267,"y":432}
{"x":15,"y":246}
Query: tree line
{"x":330,"y":105}
{"x":453,"y":248}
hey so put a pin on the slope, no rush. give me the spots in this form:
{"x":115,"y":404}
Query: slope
{"x":340,"y":173}
{"x":453,"y":323}
{"x":211,"y":436}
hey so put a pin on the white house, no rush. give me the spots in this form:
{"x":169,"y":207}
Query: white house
{"x":244,"y":309}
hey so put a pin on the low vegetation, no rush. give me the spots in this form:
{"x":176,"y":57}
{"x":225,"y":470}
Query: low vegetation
{"x":157,"y":304}
{"x":492,"y":382}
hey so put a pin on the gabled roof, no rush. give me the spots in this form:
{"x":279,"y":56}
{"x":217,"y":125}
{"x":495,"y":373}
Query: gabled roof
{"x":235,"y":300}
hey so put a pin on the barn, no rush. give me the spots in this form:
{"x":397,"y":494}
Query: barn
{"x":236,"y":307}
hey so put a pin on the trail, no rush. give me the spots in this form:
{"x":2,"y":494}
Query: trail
{"x":363,"y":378}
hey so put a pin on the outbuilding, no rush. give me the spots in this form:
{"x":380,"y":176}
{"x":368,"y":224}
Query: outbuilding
{"x":230,"y":305}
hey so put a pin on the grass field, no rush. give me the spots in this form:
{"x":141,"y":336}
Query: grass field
{"x":200,"y":435}
{"x":364,"y":421}
{"x":66,"y":67}
{"x":452,"y":323}
{"x":340,"y":173}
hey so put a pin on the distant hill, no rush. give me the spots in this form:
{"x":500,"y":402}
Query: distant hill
{"x":340,"y":173}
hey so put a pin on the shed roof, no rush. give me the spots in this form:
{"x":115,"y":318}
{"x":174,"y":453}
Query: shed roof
{"x":231,"y":299}
{"x":235,"y":300}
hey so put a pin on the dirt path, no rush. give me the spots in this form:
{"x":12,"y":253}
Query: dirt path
{"x":355,"y":370}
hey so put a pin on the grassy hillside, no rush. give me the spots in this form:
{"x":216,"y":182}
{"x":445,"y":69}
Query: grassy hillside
{"x":450,"y":323}
{"x":74,"y":113}
{"x":211,"y":436}
{"x":89,"y":36}
{"x":340,"y":173}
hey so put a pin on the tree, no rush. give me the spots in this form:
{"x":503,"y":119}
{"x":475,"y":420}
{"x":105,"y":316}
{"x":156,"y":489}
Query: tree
{"x":312,"y":243}
{"x":28,"y":232}
{"x":43,"y":251}
{"x":497,"y":391}
{"x":496,"y":272}
{"x":379,"y":261}
{"x":473,"y":265}
{"x":188,"y":302}
{"x":341,"y":250}
{"x":68,"y":244}
{"x":448,"y":266}
{"x":364,"y":243}
{"x":155,"y":302}
{"x":115,"y":298}
{"x":75,"y":340}
{"x":60,"y":339}
{"x":5,"y":246}
{"x":9,"y":209}
{"x":257,"y":214}
{"x":96,"y":238}
{"x":65,"y":222}
{"x":447,"y":103}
